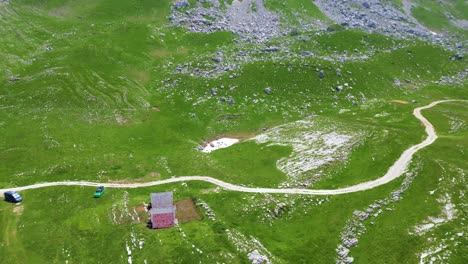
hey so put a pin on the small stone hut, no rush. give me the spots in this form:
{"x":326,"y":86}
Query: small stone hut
{"x":162,"y":210}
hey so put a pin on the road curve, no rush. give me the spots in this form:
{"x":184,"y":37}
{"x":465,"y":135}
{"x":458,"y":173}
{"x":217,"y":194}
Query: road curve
{"x":395,"y":171}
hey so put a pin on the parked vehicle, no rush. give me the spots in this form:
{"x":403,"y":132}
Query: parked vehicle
{"x":99,"y":192}
{"x":12,"y":197}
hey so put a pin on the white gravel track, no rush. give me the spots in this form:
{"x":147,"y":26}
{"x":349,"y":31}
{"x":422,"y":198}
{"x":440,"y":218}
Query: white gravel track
{"x":395,"y":171}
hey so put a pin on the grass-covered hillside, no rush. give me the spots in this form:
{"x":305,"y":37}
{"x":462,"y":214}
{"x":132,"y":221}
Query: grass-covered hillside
{"x":130,"y":91}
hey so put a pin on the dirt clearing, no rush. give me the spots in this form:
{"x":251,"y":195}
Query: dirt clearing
{"x":186,"y":211}
{"x":18,"y":209}
{"x":399,"y":101}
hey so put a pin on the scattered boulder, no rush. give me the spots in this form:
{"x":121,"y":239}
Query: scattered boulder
{"x":179,"y":4}
{"x":321,"y":74}
{"x":343,"y":251}
{"x":338,"y":72}
{"x":267,"y":90}
{"x":372,"y":24}
{"x":397,"y":82}
{"x":230,"y":100}
{"x":271,"y":49}
{"x":214,"y":92}
{"x":459,"y":56}
{"x":350,"y":242}
{"x":217,"y":59}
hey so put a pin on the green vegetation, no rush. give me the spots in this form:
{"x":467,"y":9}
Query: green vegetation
{"x":440,"y":175}
{"x":436,"y":15}
{"x":89,"y":91}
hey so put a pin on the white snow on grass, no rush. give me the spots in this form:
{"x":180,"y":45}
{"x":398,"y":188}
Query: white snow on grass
{"x":313,"y":145}
{"x":448,"y":214}
{"x":219,"y":144}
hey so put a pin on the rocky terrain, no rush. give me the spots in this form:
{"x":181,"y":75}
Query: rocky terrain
{"x":249,"y":18}
{"x":293,"y":109}
{"x":380,"y":17}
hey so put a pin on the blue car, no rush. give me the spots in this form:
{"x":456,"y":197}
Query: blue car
{"x":99,"y":192}
{"x":12,"y":197}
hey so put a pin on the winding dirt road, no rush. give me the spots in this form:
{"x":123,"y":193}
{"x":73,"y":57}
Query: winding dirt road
{"x":395,"y":171}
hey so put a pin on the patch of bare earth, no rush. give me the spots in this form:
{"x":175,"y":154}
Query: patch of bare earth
{"x":60,"y":12}
{"x":186,"y":211}
{"x":18,"y":209}
{"x":143,"y":215}
{"x":210,"y":190}
{"x":147,"y":177}
{"x":399,"y":101}
{"x":242,"y":136}
{"x":141,"y":76}
{"x":154,"y":175}
{"x":162,"y":53}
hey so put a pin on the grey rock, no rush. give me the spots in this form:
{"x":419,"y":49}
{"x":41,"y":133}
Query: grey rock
{"x":267,"y":90}
{"x":256,"y":258}
{"x":230,"y":100}
{"x":179,"y":4}
{"x":372,"y":24}
{"x":271,"y":49}
{"x":217,"y":59}
{"x":321,"y":74}
{"x":351,"y":242}
{"x":397,"y":82}
{"x":214,"y":92}
{"x":338,"y":72}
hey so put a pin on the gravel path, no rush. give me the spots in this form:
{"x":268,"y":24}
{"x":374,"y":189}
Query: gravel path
{"x":395,"y":171}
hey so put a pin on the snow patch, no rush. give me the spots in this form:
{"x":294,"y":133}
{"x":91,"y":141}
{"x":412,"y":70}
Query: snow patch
{"x":219,"y":144}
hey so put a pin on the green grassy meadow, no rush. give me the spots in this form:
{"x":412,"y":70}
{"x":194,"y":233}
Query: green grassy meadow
{"x":88,"y":91}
